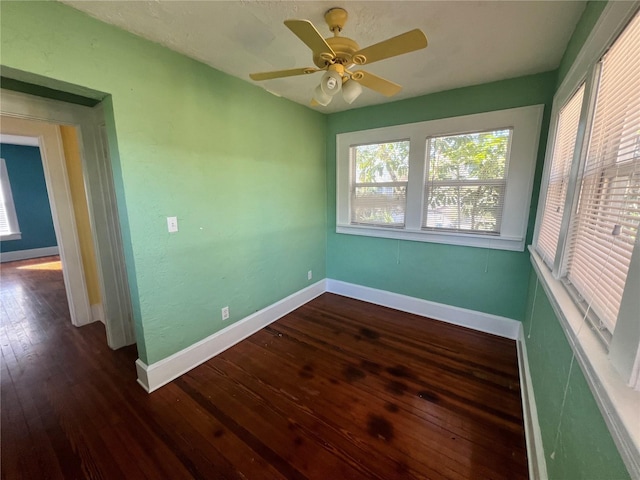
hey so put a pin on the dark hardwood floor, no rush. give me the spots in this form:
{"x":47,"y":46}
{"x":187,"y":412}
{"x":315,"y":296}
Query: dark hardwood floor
{"x":338,"y":389}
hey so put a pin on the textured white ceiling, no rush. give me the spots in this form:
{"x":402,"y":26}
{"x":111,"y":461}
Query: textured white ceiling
{"x":469,"y":42}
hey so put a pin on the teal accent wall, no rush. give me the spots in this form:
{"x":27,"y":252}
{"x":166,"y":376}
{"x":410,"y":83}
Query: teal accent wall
{"x":486,"y":280}
{"x":584,"y":449}
{"x":29,"y":191}
{"x":243,"y":170}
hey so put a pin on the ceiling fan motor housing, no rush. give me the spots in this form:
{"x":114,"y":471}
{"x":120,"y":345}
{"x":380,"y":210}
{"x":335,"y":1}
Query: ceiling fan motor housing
{"x":344,"y":48}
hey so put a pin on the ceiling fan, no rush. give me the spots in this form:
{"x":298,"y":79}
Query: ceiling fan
{"x":337,"y":55}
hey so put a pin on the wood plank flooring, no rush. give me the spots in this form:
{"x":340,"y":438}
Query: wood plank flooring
{"x":338,"y":389}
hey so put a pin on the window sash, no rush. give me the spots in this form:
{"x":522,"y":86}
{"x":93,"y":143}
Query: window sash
{"x":379,"y":202}
{"x":495,"y":210}
{"x":605,"y":224}
{"x":462,"y":189}
{"x":562,"y":158}
{"x":393,"y":203}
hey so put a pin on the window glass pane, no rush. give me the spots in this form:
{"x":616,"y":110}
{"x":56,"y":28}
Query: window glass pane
{"x":604,"y":228}
{"x":466,"y":180}
{"x":379,"y":186}
{"x":563,"y":149}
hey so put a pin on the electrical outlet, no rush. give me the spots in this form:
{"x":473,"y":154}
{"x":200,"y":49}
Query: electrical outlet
{"x":309,"y":275}
{"x":225,"y":313}
{"x":172,"y":224}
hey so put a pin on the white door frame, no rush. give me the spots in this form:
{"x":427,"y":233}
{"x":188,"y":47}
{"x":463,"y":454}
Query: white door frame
{"x":64,"y":223}
{"x":98,"y":179}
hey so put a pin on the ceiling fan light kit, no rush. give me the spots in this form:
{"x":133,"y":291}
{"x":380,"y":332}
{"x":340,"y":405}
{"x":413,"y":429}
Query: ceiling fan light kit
{"x":335,"y":55}
{"x":320,"y":97}
{"x":351,"y":90}
{"x":331,"y":82}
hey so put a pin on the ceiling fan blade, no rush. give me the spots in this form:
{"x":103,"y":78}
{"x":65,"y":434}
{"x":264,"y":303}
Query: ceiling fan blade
{"x":282,"y":73}
{"x":405,"y":43}
{"x":374,"y":82}
{"x":306,"y":32}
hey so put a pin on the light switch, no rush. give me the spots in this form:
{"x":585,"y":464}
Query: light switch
{"x":172,"y":224}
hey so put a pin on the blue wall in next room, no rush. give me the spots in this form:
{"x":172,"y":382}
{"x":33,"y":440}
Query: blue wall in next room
{"x":29,"y":190}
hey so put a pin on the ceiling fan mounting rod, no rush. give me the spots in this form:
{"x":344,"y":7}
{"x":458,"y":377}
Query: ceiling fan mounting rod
{"x":336,"y":18}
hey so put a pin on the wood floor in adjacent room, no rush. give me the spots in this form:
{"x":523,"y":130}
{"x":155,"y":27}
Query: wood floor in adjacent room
{"x":338,"y":389}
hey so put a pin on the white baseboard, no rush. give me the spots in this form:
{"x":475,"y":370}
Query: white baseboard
{"x":535,"y":448}
{"x":483,"y":322}
{"x":97,"y":313}
{"x":27,"y":254}
{"x":151,"y":377}
{"x":154,"y":376}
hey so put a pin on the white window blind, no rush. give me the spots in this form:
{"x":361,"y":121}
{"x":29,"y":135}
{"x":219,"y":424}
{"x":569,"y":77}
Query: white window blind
{"x":4,"y":221}
{"x":562,"y":157}
{"x":605,"y":226}
{"x":466,"y":181}
{"x":8,"y":218}
{"x":379,"y":183}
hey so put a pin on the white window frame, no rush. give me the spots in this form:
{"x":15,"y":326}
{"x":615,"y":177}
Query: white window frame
{"x":609,"y":371}
{"x":9,"y":205}
{"x":525,"y":122}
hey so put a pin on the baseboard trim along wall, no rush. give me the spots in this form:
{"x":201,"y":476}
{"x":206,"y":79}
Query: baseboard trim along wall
{"x":27,"y":254}
{"x":154,"y":376}
{"x":151,"y":377}
{"x":483,"y":322}
{"x":535,"y":448}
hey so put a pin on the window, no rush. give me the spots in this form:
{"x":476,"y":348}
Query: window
{"x":379,"y":194}
{"x":561,"y":160}
{"x":586,"y":250}
{"x":9,"y":229}
{"x":605,"y":225}
{"x":464,"y":180}
{"x":602,"y":226}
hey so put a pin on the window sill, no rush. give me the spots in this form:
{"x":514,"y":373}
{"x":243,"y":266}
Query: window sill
{"x":618,"y":403}
{"x":463,"y":239}
{"x":10,"y":236}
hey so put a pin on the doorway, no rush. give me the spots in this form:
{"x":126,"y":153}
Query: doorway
{"x":49,"y":121}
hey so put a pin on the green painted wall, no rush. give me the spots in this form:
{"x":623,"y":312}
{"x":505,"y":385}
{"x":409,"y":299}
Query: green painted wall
{"x":242,"y":170}
{"x":585,"y":449}
{"x":491,"y":281}
{"x":587,"y":20}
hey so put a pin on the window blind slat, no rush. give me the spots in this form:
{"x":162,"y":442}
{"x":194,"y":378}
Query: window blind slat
{"x":465,"y":182}
{"x":561,"y":159}
{"x":604,"y":228}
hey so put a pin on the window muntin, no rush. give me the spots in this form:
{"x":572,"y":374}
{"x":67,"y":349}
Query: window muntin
{"x":466,"y":181}
{"x":379,"y":186}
